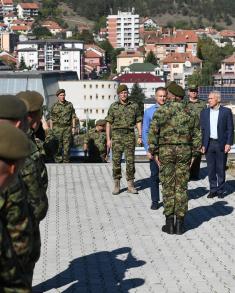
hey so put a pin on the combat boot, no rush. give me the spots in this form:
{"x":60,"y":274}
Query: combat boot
{"x":131,"y":188}
{"x":179,"y":226}
{"x":116,"y":189}
{"x":169,"y":226}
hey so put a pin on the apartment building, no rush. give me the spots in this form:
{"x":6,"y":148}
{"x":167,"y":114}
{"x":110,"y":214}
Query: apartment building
{"x":226,"y":75}
{"x":123,"y":30}
{"x":49,"y":55}
{"x":27,"y":10}
{"x":128,"y":57}
{"x":7,"y":6}
{"x":8,"y":41}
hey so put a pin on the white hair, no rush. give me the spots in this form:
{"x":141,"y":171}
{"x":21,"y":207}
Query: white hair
{"x":217,"y":94}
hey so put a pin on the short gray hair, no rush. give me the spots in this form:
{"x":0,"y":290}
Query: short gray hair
{"x":217,"y":94}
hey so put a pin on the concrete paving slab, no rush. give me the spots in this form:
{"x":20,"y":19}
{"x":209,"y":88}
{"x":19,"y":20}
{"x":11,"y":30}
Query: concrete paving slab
{"x":93,"y":241}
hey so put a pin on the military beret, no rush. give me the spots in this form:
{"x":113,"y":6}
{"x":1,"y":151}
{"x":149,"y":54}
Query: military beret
{"x":193,"y":87}
{"x":33,"y":99}
{"x":12,"y":108}
{"x":100,"y":122}
{"x":121,"y":88}
{"x":176,"y":89}
{"x":14,"y":143}
{"x":60,"y":91}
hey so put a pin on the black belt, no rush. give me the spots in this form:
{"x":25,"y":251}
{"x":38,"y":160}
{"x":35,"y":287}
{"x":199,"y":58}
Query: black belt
{"x":213,"y":139}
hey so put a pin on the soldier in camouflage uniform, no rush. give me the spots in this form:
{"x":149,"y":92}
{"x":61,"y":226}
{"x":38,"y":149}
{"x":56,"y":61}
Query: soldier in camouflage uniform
{"x":174,"y":139}
{"x":95,"y":143}
{"x":34,"y":172}
{"x":12,"y":273}
{"x":63,"y":123}
{"x":16,"y":212}
{"x":122,"y":118}
{"x":196,"y":105}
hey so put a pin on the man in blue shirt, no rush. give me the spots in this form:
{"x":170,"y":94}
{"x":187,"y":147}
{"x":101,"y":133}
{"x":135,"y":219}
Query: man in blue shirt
{"x":160,"y":97}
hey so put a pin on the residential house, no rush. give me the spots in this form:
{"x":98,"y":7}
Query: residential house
{"x":226,"y":75}
{"x":93,"y":58}
{"x":52,"y":26}
{"x":128,"y":57}
{"x":147,"y":81}
{"x":143,"y":68}
{"x":7,"y":6}
{"x":27,"y":10}
{"x":178,"y":66}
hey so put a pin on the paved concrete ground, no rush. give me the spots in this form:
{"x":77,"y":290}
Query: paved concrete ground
{"x":93,"y":241}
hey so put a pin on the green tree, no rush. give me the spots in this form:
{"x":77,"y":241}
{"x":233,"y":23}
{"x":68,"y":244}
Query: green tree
{"x":41,"y":31}
{"x":22,"y":64}
{"x":151,"y":58}
{"x":138,"y":96}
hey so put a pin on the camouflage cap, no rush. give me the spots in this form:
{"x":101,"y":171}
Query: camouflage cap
{"x":176,"y":89}
{"x":60,"y":91}
{"x":121,"y":88}
{"x":193,"y":87}
{"x":12,"y":108}
{"x":14,"y":144}
{"x":32,"y":99}
{"x":100,"y":122}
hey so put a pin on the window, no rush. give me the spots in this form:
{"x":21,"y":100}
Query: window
{"x":109,"y":97}
{"x":96,"y":111}
{"x":102,"y":97}
{"x":96,"y":97}
{"x":90,"y":86}
{"x":96,"y":86}
{"x":102,"y":111}
{"x":84,"y":86}
{"x":175,"y":65}
{"x":90,"y":111}
{"x":84,"y":97}
{"x":109,"y":86}
{"x":84,"y":110}
{"x":102,"y":86}
{"x":90,"y":97}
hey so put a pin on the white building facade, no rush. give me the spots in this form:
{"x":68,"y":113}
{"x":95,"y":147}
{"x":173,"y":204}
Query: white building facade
{"x":123,"y":30}
{"x":91,"y":98}
{"x":52,"y":55}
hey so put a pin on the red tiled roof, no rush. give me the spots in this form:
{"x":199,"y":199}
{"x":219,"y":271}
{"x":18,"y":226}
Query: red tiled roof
{"x":181,"y":58}
{"x":230,"y":59}
{"x":95,"y":47}
{"x":91,"y":54}
{"x":20,"y":28}
{"x":180,"y":37}
{"x":7,"y":2}
{"x":138,"y":78}
{"x":51,"y":24}
{"x":227,"y":33}
{"x":8,"y":58}
{"x":129,"y":54}
{"x":10,"y":14}
{"x":29,"y":5}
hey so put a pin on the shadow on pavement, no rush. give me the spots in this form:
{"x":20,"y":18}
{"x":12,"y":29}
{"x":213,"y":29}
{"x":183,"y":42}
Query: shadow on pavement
{"x":229,"y":187}
{"x":97,"y":272}
{"x":199,"y":215}
{"x":197,"y":192}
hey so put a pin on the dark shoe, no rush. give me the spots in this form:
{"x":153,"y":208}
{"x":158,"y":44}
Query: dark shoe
{"x":220,"y":195}
{"x":212,"y":194}
{"x":169,"y":227}
{"x":154,"y":206}
{"x":179,"y":226}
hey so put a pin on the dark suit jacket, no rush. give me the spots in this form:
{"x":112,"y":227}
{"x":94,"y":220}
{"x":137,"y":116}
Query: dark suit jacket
{"x":225,"y":127}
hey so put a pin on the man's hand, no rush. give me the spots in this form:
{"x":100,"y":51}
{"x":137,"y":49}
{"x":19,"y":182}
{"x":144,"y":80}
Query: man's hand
{"x":203,"y":150}
{"x":109,"y":144}
{"x":44,"y":124}
{"x":149,"y":156}
{"x":157,"y":160}
{"x":73,"y":130}
{"x":227,"y":148}
{"x":139,"y":140}
{"x":192,"y":160}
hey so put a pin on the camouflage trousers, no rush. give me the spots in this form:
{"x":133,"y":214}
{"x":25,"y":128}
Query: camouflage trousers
{"x":174,"y":175}
{"x":64,"y":137}
{"x":123,"y":143}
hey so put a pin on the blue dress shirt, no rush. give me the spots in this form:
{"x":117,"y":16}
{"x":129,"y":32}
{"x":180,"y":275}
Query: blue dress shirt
{"x":148,"y":116}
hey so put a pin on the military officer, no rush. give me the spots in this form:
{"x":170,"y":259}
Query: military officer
{"x":178,"y":140}
{"x":12,"y":274}
{"x":95,"y":143}
{"x":16,"y":212}
{"x":63,"y":122}
{"x":122,"y":118}
{"x":196,"y":105}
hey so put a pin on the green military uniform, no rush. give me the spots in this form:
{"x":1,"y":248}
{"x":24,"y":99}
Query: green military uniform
{"x":178,"y":135}
{"x":61,"y":115}
{"x":123,"y":118}
{"x":95,"y":141}
{"x":15,"y":229}
{"x":196,"y":107}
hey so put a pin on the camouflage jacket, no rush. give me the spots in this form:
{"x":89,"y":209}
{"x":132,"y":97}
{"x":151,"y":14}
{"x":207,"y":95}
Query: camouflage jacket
{"x":12,"y":278}
{"x":18,"y":219}
{"x":196,"y":107}
{"x":34,"y":175}
{"x":96,"y":142}
{"x":174,"y":124}
{"x":62,"y":114}
{"x":122,"y":116}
